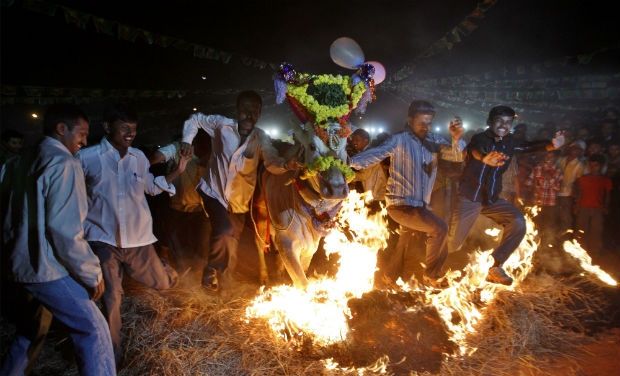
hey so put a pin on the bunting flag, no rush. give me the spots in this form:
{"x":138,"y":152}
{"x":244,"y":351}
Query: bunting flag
{"x":548,"y":67}
{"x":447,"y":42}
{"x":128,"y":33}
{"x":13,"y":94}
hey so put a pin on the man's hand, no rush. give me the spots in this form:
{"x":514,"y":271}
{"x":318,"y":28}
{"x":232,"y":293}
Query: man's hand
{"x":456,"y":128}
{"x":183,"y":163}
{"x":293,"y":164}
{"x":96,"y":292}
{"x":186,"y":149}
{"x":495,"y":159}
{"x":252,"y":145}
{"x":558,"y":140}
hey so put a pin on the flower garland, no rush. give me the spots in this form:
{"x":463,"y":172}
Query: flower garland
{"x":324,"y":163}
{"x":324,"y":98}
{"x":327,"y":97}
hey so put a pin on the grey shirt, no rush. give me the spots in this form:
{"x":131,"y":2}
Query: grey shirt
{"x":42,"y":211}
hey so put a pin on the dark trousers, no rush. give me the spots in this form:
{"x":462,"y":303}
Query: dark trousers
{"x":140,"y":263}
{"x":423,"y":220}
{"x":226,"y":231}
{"x":445,"y":198}
{"x":188,"y":237}
{"x":547,"y":224}
{"x":502,"y":212}
{"x":565,"y":218}
{"x":590,"y":221}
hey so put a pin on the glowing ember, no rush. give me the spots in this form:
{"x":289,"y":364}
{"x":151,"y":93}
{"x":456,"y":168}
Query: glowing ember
{"x":378,"y":368}
{"x":492,"y":231}
{"x":574,"y":249}
{"x":320,"y":312}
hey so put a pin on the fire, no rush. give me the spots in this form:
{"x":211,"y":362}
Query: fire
{"x":320,"y":312}
{"x":493,"y":232}
{"x":468,"y":287}
{"x":574,"y":249}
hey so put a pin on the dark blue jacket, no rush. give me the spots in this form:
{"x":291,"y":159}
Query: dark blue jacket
{"x":481,"y":182}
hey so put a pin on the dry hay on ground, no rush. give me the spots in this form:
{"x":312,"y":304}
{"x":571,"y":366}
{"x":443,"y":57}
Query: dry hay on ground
{"x":528,"y":331}
{"x":186,"y":332}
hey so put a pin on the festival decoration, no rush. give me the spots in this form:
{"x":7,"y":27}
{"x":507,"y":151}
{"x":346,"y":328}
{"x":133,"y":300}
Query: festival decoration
{"x":346,"y":53}
{"x":133,"y":34}
{"x":323,"y":99}
{"x":324,"y":163}
{"x":379,"y":75}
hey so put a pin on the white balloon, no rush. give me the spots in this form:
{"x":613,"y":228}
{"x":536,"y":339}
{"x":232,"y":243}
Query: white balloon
{"x":379,"y":71}
{"x":346,"y":53}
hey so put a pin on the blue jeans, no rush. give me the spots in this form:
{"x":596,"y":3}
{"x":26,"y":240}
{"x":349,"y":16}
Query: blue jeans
{"x":69,"y":303}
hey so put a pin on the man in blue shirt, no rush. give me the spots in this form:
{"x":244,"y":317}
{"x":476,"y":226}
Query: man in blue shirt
{"x":411,"y":177}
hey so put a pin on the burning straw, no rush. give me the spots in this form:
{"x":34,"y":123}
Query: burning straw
{"x":186,"y":332}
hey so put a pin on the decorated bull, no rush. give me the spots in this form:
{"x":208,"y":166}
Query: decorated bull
{"x":302,"y":205}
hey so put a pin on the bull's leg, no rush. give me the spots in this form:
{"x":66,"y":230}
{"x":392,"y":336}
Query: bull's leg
{"x":290,"y":260}
{"x":290,"y":243}
{"x":296,"y":246}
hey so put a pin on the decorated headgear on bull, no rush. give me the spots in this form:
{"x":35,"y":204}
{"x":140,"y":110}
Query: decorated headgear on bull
{"x":324,"y":102}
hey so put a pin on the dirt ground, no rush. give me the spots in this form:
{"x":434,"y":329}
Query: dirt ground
{"x":600,"y":357}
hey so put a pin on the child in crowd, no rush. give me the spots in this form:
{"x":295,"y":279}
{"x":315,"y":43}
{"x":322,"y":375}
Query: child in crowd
{"x":592,"y":199}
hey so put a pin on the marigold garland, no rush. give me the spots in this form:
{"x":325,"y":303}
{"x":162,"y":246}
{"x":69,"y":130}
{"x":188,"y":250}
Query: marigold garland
{"x":324,"y":163}
{"x":339,"y":86}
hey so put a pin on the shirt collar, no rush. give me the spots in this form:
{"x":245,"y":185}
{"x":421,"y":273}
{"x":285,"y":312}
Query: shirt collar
{"x":106,"y":147}
{"x":489,"y":133}
{"x":52,"y":142}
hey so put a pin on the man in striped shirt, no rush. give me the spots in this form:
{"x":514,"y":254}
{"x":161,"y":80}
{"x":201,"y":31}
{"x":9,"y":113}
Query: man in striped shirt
{"x":411,"y":176}
{"x":488,"y":156}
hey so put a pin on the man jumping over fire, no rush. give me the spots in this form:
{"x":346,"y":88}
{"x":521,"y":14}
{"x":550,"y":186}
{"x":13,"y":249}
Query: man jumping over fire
{"x":488,"y":156}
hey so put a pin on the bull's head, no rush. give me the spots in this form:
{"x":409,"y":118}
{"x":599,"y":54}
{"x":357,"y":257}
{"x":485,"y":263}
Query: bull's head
{"x":325,"y":159}
{"x":324,"y":103}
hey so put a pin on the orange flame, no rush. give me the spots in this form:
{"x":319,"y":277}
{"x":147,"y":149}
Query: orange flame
{"x":574,"y":249}
{"x":321,"y":310}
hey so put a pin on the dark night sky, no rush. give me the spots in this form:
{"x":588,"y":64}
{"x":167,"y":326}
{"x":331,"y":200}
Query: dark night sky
{"x":41,"y":50}
{"x":46,"y":51}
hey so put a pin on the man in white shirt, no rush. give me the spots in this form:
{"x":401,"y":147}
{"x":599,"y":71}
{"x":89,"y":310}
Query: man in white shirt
{"x":119,"y":226}
{"x":43,"y":206}
{"x":230,"y":179}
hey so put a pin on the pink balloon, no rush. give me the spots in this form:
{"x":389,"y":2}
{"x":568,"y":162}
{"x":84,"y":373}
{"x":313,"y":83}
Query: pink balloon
{"x":379,"y":71}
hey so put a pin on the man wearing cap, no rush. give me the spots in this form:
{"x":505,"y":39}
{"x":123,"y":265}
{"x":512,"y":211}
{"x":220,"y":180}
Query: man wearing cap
{"x":572,"y":166}
{"x":488,"y":155}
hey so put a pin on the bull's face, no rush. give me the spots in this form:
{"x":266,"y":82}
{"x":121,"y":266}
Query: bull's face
{"x":331,"y":183}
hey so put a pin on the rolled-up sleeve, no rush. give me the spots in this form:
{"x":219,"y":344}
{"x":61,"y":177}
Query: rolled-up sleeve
{"x":155,"y":185}
{"x":374,"y":155}
{"x":66,"y":196}
{"x":208,"y":123}
{"x":271,"y":159}
{"x":169,"y":152}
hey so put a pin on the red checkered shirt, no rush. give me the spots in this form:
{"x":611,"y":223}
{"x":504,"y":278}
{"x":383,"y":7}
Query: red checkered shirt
{"x":546,"y":179}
